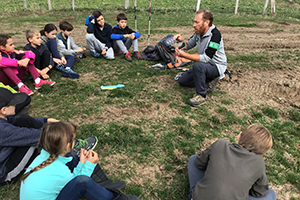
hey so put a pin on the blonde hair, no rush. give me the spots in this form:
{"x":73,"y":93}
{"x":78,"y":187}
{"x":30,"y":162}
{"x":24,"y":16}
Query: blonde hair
{"x":54,"y":138}
{"x":30,"y":33}
{"x":256,"y":138}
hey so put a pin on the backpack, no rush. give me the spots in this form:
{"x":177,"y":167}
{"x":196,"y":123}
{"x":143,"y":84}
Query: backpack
{"x":167,"y":55}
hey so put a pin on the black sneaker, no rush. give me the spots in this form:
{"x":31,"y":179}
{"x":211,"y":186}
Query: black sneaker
{"x":87,"y":144}
{"x":197,"y":100}
{"x":211,"y":86}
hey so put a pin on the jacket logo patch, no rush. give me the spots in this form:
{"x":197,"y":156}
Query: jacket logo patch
{"x":214,"y":45}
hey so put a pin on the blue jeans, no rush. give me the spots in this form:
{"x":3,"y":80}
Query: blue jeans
{"x":198,"y":76}
{"x":196,"y":175}
{"x":84,"y":186}
{"x":52,"y":46}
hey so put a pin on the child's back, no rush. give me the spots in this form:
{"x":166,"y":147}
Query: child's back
{"x":231,"y":171}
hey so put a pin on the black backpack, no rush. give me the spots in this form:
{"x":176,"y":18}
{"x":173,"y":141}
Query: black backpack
{"x":166,"y":52}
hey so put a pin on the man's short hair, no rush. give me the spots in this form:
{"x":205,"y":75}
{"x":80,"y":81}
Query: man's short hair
{"x":65,"y":26}
{"x":97,"y":14}
{"x":121,"y":16}
{"x":256,"y":138}
{"x":30,"y":33}
{"x":207,"y":15}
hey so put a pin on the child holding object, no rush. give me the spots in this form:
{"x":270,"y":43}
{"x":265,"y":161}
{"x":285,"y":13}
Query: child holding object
{"x":14,"y":64}
{"x":58,"y":181}
{"x":66,"y":43}
{"x":123,"y":37}
{"x":232,"y":170}
{"x":64,"y":62}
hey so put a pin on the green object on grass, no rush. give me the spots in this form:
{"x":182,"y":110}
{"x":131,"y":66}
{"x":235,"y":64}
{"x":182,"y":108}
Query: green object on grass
{"x":111,"y":87}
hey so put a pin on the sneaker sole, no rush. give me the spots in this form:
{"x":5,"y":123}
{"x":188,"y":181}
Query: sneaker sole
{"x":44,"y":84}
{"x":214,"y":87}
{"x":195,"y":104}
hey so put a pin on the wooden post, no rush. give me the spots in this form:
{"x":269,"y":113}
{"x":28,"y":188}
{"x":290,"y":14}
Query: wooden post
{"x":25,"y":5}
{"x":236,"y":7}
{"x":198,"y":5}
{"x":49,"y":4}
{"x":126,"y":4}
{"x":73,"y":4}
{"x":265,"y":7}
{"x":273,"y":7}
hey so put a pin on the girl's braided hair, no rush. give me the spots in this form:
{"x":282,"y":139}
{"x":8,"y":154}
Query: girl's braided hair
{"x":54,"y":139}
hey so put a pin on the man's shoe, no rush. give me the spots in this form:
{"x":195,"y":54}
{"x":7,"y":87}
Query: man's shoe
{"x":95,"y":54}
{"x":68,"y":72}
{"x":137,"y":55}
{"x":211,"y":86}
{"x":26,"y":90}
{"x":128,"y":57}
{"x":87,"y":144}
{"x":197,"y":100}
{"x":100,"y":177}
{"x":43,"y":82}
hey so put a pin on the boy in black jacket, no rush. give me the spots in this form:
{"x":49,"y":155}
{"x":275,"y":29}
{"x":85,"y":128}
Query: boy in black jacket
{"x":123,"y":37}
{"x":43,"y":59}
{"x":98,"y":37}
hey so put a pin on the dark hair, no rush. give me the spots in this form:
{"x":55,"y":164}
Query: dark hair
{"x":3,"y":39}
{"x":48,"y":28}
{"x":65,"y":26}
{"x":207,"y":15}
{"x":121,"y":16}
{"x":97,"y":14}
{"x":54,"y":138}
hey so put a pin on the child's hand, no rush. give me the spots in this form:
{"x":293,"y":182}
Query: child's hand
{"x":57,"y":61}
{"x":103,"y":51}
{"x":93,"y":157}
{"x":52,"y":120}
{"x":127,"y":35}
{"x":23,"y":62}
{"x":132,"y":36}
{"x":84,"y":154}
{"x":44,"y":73}
{"x":64,"y":61}
{"x":80,"y":49}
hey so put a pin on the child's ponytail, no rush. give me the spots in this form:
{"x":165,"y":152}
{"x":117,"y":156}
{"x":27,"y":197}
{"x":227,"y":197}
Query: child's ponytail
{"x":54,"y":139}
{"x":47,"y":162}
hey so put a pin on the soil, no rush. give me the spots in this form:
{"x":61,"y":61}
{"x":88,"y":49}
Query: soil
{"x":278,"y":88}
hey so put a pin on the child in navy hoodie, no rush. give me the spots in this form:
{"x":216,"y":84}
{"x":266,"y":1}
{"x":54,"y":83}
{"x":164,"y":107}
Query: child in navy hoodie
{"x":123,"y":37}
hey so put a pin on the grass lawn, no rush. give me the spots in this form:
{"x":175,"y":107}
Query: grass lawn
{"x":146,"y":131}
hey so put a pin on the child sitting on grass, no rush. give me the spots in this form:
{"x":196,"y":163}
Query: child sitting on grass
{"x":123,"y":37}
{"x":63,"y":62}
{"x":43,"y":59}
{"x":14,"y":64}
{"x":98,"y":37}
{"x":66,"y":43}
{"x":58,"y":180}
{"x":232,"y":171}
